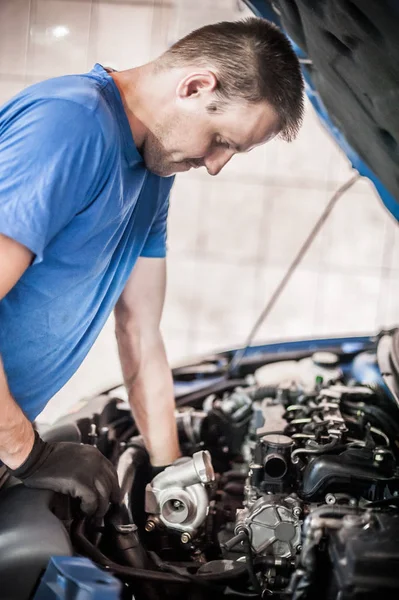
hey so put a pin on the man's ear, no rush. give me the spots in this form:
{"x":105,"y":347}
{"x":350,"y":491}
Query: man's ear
{"x":196,"y":83}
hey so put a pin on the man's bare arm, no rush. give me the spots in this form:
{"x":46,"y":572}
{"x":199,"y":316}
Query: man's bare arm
{"x":145,"y":367}
{"x":16,"y":432}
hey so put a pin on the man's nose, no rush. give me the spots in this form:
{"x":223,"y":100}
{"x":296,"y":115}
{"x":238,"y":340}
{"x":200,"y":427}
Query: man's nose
{"x":215,"y":162}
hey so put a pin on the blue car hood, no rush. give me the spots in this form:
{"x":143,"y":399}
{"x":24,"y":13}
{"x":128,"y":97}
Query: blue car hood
{"x":349,"y":50}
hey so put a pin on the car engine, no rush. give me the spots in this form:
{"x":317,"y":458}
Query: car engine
{"x":288,"y":485}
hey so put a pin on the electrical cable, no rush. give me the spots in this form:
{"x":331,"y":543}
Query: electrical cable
{"x":239,"y":355}
{"x":250,"y":565}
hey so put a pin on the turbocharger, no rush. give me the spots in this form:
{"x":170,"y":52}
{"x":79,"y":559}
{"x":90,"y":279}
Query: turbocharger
{"x":177,"y":496}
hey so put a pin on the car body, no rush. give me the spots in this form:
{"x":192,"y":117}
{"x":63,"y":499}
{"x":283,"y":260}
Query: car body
{"x":321,"y":517}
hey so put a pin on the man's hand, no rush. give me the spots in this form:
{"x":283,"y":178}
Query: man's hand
{"x":79,"y":470}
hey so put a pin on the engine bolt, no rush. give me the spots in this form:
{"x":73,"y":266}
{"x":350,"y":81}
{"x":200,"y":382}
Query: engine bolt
{"x":178,"y":505}
{"x":378,"y":458}
{"x":353,"y":502}
{"x":297,"y":511}
{"x":185,"y":538}
{"x":299,"y":548}
{"x":149,"y":526}
{"x":330,"y":499}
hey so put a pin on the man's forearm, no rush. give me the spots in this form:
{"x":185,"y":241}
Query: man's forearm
{"x":150,"y":386}
{"x":16,"y":432}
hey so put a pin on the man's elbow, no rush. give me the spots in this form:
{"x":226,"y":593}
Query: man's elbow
{"x":126,"y":328}
{"x":138,"y":335}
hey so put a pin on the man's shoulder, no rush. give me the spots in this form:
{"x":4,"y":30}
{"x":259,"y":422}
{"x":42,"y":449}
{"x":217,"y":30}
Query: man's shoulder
{"x":77,"y":93}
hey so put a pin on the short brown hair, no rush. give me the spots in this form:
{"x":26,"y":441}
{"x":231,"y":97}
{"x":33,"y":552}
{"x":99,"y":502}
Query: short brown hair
{"x":253,"y":61}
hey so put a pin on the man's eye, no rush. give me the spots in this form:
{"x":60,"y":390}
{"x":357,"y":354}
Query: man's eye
{"x":223,"y":143}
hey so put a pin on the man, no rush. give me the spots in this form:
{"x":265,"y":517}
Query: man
{"x":86,"y":166}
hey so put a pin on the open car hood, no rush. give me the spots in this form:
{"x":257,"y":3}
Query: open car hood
{"x":349,"y":51}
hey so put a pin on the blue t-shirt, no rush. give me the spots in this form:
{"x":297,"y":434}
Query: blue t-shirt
{"x":73,"y":189}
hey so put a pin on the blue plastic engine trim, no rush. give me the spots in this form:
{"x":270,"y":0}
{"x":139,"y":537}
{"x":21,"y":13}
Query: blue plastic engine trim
{"x":76,"y":578}
{"x":346,"y":345}
{"x":261,"y":9}
{"x":365,"y":370}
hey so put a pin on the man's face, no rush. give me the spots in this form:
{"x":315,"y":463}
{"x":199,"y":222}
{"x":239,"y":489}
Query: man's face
{"x":188,"y":136}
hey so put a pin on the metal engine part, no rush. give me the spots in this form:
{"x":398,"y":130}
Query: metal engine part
{"x":272,"y":524}
{"x":178,"y":497}
{"x":271,"y":470}
{"x":228,"y":420}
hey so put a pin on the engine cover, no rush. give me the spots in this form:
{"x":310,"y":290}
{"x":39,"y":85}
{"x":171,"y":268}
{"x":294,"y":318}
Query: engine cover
{"x":29,"y":535}
{"x":365,"y":560}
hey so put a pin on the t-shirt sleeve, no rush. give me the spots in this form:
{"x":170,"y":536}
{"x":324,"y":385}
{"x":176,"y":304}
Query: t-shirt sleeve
{"x":50,"y":156}
{"x":155,"y":244}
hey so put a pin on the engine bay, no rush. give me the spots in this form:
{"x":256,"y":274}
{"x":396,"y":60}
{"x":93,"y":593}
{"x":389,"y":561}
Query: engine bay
{"x":288,"y":486}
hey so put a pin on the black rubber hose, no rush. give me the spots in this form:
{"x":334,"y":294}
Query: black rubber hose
{"x":170,"y":575}
{"x":208,"y":580}
{"x":234,"y":488}
{"x":384,"y":422}
{"x":125,"y":538}
{"x":196,"y":399}
{"x":134,"y":480}
{"x":251,"y":570}
{"x":234,"y":476}
{"x":87,"y":548}
{"x":211,"y":581}
{"x":265,"y":391}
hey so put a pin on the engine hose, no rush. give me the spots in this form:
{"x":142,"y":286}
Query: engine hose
{"x":234,"y":476}
{"x":88,"y":549}
{"x":146,"y":588}
{"x":379,"y":399}
{"x":234,"y":488}
{"x":208,"y":580}
{"x":378,"y":416}
{"x":389,"y":436}
{"x":197,"y":398}
{"x":133,"y":471}
{"x":122,"y":438}
{"x":265,"y":391}
{"x":222,"y":578}
{"x":332,"y":446}
{"x":251,"y":570}
{"x":122,"y":533}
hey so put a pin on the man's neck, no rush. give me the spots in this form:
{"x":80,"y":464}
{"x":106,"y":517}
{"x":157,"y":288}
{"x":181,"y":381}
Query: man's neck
{"x":128,"y":84}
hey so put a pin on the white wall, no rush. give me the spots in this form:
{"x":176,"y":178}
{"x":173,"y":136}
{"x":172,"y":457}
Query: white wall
{"x":230,"y":238}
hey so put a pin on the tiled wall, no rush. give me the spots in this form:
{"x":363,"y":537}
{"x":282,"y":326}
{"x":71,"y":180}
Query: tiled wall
{"x":230,"y":238}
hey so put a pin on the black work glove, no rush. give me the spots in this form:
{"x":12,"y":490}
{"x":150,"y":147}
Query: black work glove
{"x":138,"y":442}
{"x":157,"y":470}
{"x":79,"y":470}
